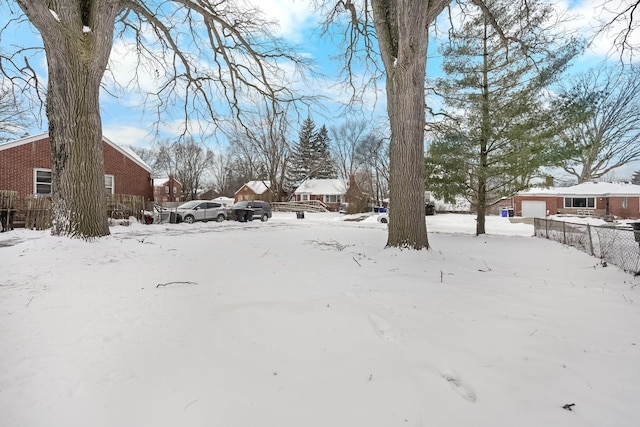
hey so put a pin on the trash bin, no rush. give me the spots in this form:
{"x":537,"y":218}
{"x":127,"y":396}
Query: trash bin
{"x":636,"y":231}
{"x":174,"y":218}
{"x":429,"y":209}
{"x":504,"y":212}
{"x":382,"y":210}
{"x":511,"y":212}
{"x":244,"y":215}
{"x":300,"y":214}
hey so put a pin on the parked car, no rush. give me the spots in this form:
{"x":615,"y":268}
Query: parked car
{"x":343,"y":208}
{"x":248,"y":210}
{"x":383,"y":217}
{"x":201,"y":210}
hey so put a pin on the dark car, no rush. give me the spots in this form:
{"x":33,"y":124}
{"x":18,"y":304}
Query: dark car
{"x":248,"y":210}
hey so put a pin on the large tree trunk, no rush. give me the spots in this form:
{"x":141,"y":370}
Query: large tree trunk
{"x":77,"y":38}
{"x":402,"y":27}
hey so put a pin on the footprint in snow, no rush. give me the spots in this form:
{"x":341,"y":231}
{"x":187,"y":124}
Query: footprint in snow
{"x":458,"y":385}
{"x":383,"y":329}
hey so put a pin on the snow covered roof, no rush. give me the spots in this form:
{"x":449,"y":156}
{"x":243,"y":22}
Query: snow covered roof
{"x":258,"y":187}
{"x":160,"y":181}
{"x":587,"y":189}
{"x":322,"y":186}
{"x":127,"y":151}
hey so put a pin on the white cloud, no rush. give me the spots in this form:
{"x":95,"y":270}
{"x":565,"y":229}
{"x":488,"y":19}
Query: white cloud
{"x":127,"y":135}
{"x":292,"y":16}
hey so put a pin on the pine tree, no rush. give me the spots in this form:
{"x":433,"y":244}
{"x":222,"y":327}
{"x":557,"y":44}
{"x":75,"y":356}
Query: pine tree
{"x":324,"y":167}
{"x":301,"y":161}
{"x":498,"y":132}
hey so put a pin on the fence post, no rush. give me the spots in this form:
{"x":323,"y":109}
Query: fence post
{"x":590,"y":239}
{"x":564,"y":233}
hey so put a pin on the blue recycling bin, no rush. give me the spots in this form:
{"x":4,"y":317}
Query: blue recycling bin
{"x":504,"y":213}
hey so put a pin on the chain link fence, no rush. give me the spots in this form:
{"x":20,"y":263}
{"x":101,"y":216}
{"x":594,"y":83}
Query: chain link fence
{"x":616,"y":245}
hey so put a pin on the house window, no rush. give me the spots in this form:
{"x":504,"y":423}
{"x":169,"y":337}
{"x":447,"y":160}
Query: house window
{"x":109,"y":184}
{"x":332,"y":198}
{"x":166,"y":189}
{"x":175,"y":190}
{"x":580,"y":202}
{"x":304,"y":197}
{"x":623,"y":202}
{"x":42,"y":181}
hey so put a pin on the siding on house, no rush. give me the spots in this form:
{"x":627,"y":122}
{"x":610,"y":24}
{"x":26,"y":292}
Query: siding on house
{"x":254,"y":190}
{"x":618,"y":199}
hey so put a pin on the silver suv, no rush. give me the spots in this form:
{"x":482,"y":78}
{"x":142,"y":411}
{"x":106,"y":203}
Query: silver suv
{"x":201,"y":210}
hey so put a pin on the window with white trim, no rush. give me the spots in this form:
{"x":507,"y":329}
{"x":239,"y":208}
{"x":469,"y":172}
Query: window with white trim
{"x":580,"y":202}
{"x":42,"y":181}
{"x":623,"y":202}
{"x":304,"y":197}
{"x":332,"y":198}
{"x":109,"y":184}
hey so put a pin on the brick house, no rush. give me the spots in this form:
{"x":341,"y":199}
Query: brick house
{"x":167,"y":190}
{"x":25,"y":166}
{"x":255,"y":190}
{"x":589,"y":198}
{"x":331,"y":192}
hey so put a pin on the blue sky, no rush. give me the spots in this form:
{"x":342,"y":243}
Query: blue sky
{"x":126,"y":123}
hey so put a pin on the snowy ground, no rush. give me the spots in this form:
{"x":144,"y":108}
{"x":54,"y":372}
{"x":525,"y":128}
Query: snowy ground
{"x":312,"y":323}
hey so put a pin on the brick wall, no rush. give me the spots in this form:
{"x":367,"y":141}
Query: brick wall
{"x":17,"y":165}
{"x":130,"y":178}
{"x":17,"y":169}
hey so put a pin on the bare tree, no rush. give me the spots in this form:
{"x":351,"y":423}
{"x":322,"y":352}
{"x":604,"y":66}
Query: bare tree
{"x":262,"y":145}
{"x":374,"y":152}
{"x":346,"y":138}
{"x":200,"y":52}
{"x":623,"y":20}
{"x":608,"y":136}
{"x":188,"y":161}
{"x":220,"y":174}
{"x":12,"y":114}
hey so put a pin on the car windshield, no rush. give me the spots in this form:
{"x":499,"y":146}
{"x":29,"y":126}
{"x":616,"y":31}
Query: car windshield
{"x":241,"y":204}
{"x":189,"y":205}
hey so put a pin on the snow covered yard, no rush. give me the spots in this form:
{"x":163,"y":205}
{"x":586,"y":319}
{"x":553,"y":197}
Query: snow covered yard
{"x":311,"y":323}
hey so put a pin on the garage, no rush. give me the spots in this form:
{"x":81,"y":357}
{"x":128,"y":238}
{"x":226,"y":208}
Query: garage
{"x":534,"y":209}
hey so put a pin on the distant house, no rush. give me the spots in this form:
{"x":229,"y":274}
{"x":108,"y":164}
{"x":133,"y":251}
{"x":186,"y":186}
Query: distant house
{"x":589,"y":198}
{"x":329,"y":191}
{"x":167,"y":190}
{"x":255,"y":190}
{"x":25,"y":166}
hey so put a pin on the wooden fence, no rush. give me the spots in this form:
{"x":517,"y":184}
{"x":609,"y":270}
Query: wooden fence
{"x":38,"y":214}
{"x":35,"y":210}
{"x":8,"y":203}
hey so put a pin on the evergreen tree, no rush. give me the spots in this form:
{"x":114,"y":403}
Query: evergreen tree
{"x":635,"y":179}
{"x":310,"y":156}
{"x":300,"y":162}
{"x":324,"y":165}
{"x":498,"y":132}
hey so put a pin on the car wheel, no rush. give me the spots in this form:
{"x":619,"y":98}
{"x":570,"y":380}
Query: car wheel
{"x":384,"y":220}
{"x":265,"y":218}
{"x":189,"y":219}
{"x":220,"y":218}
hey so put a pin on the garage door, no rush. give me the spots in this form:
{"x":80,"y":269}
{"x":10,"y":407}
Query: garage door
{"x":534,"y":208}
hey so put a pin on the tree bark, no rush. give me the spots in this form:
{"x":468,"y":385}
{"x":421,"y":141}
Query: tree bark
{"x":77,"y":37}
{"x":402,"y":27}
